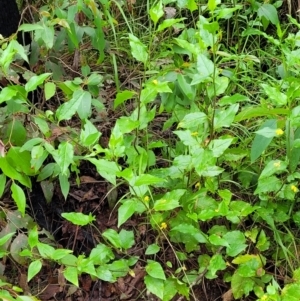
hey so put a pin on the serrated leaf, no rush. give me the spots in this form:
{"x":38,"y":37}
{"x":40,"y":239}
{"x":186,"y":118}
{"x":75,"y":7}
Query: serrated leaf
{"x":216,"y":263}
{"x":241,"y":285}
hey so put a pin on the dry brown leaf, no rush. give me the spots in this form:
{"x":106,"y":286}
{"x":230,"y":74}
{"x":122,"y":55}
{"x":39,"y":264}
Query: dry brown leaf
{"x":23,"y":283}
{"x":87,"y":179}
{"x":2,"y":149}
{"x":170,"y":12}
{"x":228,"y":296}
{"x":49,"y":292}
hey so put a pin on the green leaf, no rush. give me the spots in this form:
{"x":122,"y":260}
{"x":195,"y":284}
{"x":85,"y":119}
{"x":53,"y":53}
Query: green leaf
{"x":46,"y":251}
{"x":230,"y":100}
{"x":19,"y":197}
{"x":50,"y":89}
{"x":123,"y":96}
{"x":101,"y":254}
{"x":35,"y":81}
{"x":236,"y":241}
{"x":64,"y":157}
{"x":156,"y":12}
{"x":2,"y":184}
{"x":126,"y":124}
{"x":189,"y":229}
{"x":216,"y":263}
{"x":84,"y":108}
{"x":71,"y":274}
{"x":266,"y":132}
{"x":154,"y":286}
{"x":138,"y":49}
{"x":31,"y":143}
{"x":20,"y":160}
{"x":269,"y":12}
{"x":113,"y":237}
{"x":126,"y":210}
{"x":268,"y":184}
{"x":105,"y":274}
{"x":216,"y":240}
{"x":218,"y":146}
{"x":277,"y":98}
{"x":89,"y":135}
{"x":60,"y":253}
{"x":168,"y":23}
{"x":291,"y":292}
{"x":126,"y":239}
{"x":33,"y":237}
{"x":205,"y":68}
{"x":11,"y":172}
{"x":106,"y":169}
{"x":185,"y":86}
{"x":78,"y":218}
{"x":146,"y":179}
{"x":224,"y":118}
{"x":192,"y":120}
{"x":94,"y":79}
{"x":295,"y":153}
{"x":273,"y":167}
{"x":17,"y":132}
{"x":241,"y":285}
{"x":64,"y":185}
{"x":260,"y":143}
{"x":33,"y":269}
{"x":152,"y":249}
{"x":155,"y":270}
{"x":212,"y":5}
{"x":5,"y":238}
{"x":69,"y":108}
{"x":43,"y":126}
{"x":169,"y":201}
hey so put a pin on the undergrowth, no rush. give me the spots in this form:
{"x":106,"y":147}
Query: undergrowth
{"x":188,"y":111}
